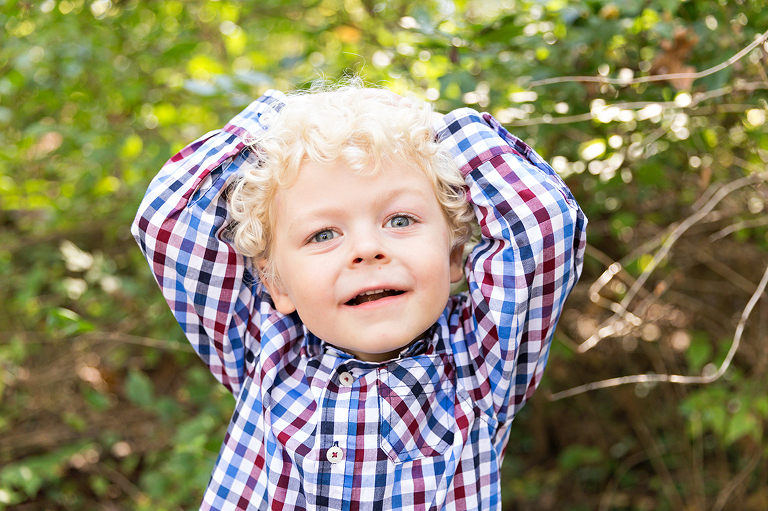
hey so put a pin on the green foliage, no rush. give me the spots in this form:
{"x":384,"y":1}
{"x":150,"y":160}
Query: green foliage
{"x":579,"y":455}
{"x":139,"y":389}
{"x":101,"y":401}
{"x":21,"y":480}
{"x":729,"y":414}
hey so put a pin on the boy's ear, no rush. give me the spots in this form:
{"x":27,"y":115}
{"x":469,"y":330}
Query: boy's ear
{"x":280,"y":298}
{"x":457,"y":266}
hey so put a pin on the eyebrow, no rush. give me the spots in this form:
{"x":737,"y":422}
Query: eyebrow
{"x":396,"y":193}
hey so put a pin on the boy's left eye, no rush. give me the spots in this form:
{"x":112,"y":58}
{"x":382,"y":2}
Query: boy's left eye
{"x":400,"y":221}
{"x":324,"y":235}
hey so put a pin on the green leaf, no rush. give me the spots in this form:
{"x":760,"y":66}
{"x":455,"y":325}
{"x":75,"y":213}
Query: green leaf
{"x":760,"y":404}
{"x":576,"y":456}
{"x":31,"y":474}
{"x":743,"y":423}
{"x":715,"y":417}
{"x":97,"y":400}
{"x":67,"y":322}
{"x":699,"y":353}
{"x":669,"y":5}
{"x":194,"y":432}
{"x":139,"y":389}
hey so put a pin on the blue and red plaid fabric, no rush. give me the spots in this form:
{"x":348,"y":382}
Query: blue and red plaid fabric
{"x":314,"y":427}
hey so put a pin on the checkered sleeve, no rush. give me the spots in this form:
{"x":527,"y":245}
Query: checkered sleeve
{"x":527,"y":261}
{"x":181,"y":229}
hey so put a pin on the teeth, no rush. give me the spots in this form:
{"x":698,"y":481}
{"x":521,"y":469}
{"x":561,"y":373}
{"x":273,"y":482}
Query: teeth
{"x":369,"y":296}
{"x":373,"y":292}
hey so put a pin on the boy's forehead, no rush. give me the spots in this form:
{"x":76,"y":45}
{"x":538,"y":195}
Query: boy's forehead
{"x":318,"y":183}
{"x":389,"y":166}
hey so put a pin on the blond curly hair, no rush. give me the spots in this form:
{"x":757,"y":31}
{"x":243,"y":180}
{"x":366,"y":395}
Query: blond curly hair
{"x":366,"y":129}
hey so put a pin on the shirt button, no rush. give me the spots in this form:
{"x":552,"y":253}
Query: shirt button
{"x":335,"y":454}
{"x":346,"y":379}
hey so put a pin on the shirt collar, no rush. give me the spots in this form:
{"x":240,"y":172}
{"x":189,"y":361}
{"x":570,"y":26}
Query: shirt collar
{"x":313,"y":346}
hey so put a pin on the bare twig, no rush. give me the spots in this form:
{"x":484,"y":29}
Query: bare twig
{"x":697,"y":461}
{"x":695,"y":103}
{"x":653,"y":137}
{"x":32,"y":337}
{"x":135,"y":339}
{"x":620,"y":309}
{"x":567,"y":341}
{"x":120,"y":480}
{"x":734,"y":483}
{"x":655,"y":451}
{"x":726,"y":272}
{"x":655,"y":78}
{"x":606,"y":501}
{"x":729,"y":108}
{"x":674,"y":378}
{"x":23,"y":243}
{"x":762,"y":360}
{"x":749,"y":166}
{"x":613,"y":485}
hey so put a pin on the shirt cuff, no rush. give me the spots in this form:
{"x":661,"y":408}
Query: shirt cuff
{"x":472,"y":138}
{"x":257,"y":116}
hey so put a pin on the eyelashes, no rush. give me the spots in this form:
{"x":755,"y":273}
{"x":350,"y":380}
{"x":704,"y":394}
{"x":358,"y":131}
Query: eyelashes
{"x":396,"y":221}
{"x":323,"y":235}
{"x":400,"y":220}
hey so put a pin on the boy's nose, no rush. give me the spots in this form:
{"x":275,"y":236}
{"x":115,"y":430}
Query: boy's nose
{"x":368,"y":249}
{"x":378,"y":257}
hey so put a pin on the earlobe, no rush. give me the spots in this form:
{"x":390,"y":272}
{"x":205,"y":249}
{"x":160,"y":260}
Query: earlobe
{"x":281,"y":299}
{"x":456,"y":264}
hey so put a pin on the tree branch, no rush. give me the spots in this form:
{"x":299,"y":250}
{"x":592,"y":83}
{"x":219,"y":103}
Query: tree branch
{"x":696,"y":100}
{"x":722,"y":497}
{"x":674,"y":378}
{"x":621,"y":310}
{"x":654,"y":78}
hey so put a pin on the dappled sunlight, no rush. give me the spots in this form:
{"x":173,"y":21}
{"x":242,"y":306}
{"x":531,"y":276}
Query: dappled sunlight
{"x":654,"y":113}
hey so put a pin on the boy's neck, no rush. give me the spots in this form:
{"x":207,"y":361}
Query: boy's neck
{"x":381,"y":357}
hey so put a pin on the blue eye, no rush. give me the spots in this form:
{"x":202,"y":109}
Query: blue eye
{"x":400,"y":221}
{"x":324,"y":235}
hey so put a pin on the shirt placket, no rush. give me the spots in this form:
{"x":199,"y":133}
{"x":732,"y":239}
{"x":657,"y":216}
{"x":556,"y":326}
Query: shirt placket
{"x":339,"y":402}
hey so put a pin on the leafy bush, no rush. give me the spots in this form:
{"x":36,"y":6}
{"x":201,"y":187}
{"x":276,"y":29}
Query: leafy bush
{"x":103,"y":405}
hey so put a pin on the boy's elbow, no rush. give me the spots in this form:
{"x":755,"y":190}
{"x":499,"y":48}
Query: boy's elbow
{"x":139,"y":226}
{"x":142,"y":228}
{"x":574,"y":219}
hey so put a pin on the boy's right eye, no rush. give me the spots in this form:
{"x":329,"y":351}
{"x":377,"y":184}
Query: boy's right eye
{"x":324,"y":235}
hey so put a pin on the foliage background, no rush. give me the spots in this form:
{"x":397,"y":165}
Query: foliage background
{"x":102,"y":404}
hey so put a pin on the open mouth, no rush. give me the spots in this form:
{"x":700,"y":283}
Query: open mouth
{"x":370,"y":296}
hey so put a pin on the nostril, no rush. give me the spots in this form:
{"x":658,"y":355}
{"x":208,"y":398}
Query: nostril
{"x":369,"y":258}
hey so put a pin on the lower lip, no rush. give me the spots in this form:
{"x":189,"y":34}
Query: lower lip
{"x":375,"y":304}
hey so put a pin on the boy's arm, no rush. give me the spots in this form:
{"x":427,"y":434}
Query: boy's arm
{"x":181,"y":228}
{"x":527,"y":261}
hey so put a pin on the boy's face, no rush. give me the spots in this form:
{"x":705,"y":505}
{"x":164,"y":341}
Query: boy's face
{"x":366,"y":261}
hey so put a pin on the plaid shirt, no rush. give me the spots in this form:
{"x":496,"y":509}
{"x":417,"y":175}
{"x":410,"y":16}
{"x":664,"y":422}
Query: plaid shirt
{"x":313,"y":426}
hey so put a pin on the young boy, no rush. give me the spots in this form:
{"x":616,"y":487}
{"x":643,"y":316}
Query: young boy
{"x":307,"y":250}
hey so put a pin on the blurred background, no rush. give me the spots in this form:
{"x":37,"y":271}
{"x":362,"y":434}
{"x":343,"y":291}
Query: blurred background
{"x":653,"y":111}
